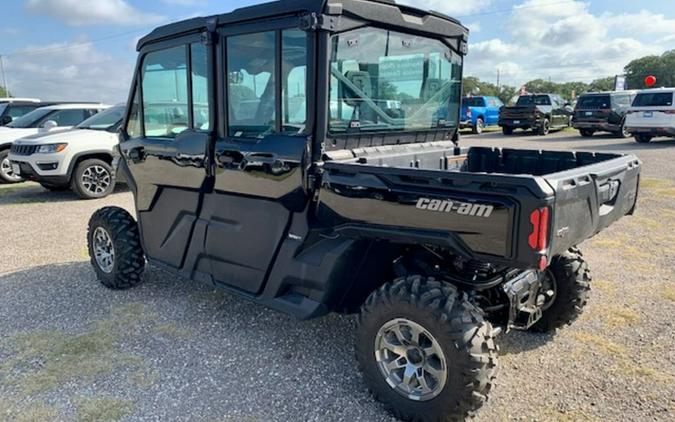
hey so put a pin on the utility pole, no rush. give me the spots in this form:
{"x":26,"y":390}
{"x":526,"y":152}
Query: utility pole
{"x":498,"y":75}
{"x":2,"y":73}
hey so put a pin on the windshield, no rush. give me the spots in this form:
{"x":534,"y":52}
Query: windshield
{"x":3,"y":106}
{"x":30,"y":119}
{"x":104,"y":120}
{"x":594,"y":102}
{"x":528,"y":100}
{"x":653,"y":99}
{"x":385,"y":81}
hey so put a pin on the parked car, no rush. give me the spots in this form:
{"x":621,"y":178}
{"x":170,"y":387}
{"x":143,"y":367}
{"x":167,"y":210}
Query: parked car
{"x":539,"y":112}
{"x":80,"y":159}
{"x":603,"y":112}
{"x":371,"y":211}
{"x":652,"y":114}
{"x":479,"y":112}
{"x":41,"y":120}
{"x":13,"y":108}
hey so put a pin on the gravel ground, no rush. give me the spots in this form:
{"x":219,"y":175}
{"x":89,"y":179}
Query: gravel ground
{"x":177,"y":350}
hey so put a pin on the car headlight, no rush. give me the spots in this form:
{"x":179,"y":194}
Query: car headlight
{"x":51,"y":148}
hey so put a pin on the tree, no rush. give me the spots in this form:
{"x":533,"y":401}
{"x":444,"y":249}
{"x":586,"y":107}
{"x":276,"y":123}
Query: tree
{"x":663,"y":67}
{"x":4,"y":93}
{"x":602,"y":84}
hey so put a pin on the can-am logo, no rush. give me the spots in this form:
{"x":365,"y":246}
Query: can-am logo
{"x":461,"y":208}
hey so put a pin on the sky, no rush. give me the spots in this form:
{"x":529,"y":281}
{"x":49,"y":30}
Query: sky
{"x":85,"y":50}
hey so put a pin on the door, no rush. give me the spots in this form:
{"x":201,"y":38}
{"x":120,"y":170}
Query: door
{"x":493,"y":110}
{"x":165,"y":146}
{"x":558,"y":115}
{"x":260,"y":158}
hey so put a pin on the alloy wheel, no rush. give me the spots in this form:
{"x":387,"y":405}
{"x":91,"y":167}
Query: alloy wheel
{"x":410,"y":359}
{"x":96,"y":179}
{"x":104,"y":250}
{"x":7,"y":172}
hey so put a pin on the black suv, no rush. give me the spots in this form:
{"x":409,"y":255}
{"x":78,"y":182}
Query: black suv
{"x":11,"y":109}
{"x":539,"y":112}
{"x":310,"y":168}
{"x":603,"y":112}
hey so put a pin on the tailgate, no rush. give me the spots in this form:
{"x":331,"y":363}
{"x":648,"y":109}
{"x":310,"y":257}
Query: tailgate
{"x":590,"y":198}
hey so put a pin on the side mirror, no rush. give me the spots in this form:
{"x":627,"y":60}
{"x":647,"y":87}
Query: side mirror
{"x":6,"y":120}
{"x":48,"y":125}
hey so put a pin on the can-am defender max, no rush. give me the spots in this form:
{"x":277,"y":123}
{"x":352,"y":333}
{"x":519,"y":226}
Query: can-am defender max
{"x":298,"y":154}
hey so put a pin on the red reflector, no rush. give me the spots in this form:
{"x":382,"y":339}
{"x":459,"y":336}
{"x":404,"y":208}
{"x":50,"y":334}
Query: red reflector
{"x":535,"y":217}
{"x":538,"y":239}
{"x":543,"y":263}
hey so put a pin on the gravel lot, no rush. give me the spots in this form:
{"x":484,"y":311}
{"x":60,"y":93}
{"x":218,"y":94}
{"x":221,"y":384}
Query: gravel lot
{"x":177,"y":350}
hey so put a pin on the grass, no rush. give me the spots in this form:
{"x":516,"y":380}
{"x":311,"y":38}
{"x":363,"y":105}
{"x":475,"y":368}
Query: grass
{"x":668,"y":292}
{"x":45,"y":360}
{"x":15,"y":187}
{"x":659,"y":187}
{"x":616,"y":316}
{"x":36,"y":412}
{"x":601,"y":344}
{"x":103,"y":409}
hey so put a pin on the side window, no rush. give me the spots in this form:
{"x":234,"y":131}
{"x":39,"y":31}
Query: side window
{"x":294,"y":87}
{"x":200,"y":87}
{"x":251,"y":67}
{"x":133,"y":128}
{"x":68,"y":117}
{"x":18,"y":111}
{"x":165,"y":93}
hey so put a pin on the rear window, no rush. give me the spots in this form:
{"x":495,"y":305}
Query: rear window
{"x":653,"y":99}
{"x":594,"y":102}
{"x":528,"y":100}
{"x":473,"y":102}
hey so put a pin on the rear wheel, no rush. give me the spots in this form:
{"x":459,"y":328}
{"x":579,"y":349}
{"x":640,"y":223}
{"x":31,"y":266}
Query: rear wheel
{"x":506,"y":130}
{"x":7,"y":175}
{"x":586,"y":133}
{"x":643,"y":138}
{"x":425,"y":350}
{"x":93,"y":178}
{"x":567,"y":285}
{"x":115,"y":248}
{"x":479,"y":126}
{"x":545,"y":128}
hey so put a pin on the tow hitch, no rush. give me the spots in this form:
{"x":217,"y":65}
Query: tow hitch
{"x":526,"y":300}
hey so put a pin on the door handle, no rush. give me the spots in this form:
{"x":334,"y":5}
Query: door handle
{"x":136,"y":154}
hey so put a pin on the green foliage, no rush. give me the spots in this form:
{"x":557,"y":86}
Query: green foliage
{"x":4,"y":93}
{"x":602,"y":84}
{"x":663,"y":67}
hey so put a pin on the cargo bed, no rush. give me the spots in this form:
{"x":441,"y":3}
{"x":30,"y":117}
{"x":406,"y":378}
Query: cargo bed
{"x":483,"y":203}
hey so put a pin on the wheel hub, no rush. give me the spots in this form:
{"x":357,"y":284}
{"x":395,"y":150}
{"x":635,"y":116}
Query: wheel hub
{"x":410,"y":359}
{"x":6,"y":169}
{"x":96,"y":179}
{"x":104,"y":250}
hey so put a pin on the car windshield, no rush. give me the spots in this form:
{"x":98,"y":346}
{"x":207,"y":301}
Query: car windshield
{"x":528,"y":100}
{"x":105,"y":120}
{"x":29,"y":120}
{"x":472,"y":102}
{"x":388,"y":81}
{"x":653,"y":99}
{"x":3,"y":106}
{"x":594,"y":102}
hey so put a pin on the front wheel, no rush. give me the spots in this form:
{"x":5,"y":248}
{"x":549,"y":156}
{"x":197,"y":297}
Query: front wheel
{"x":93,"y":179}
{"x":115,"y":250}
{"x":622,"y":132}
{"x":425,"y":350}
{"x":7,"y":175}
{"x":567,"y":286}
{"x":545,"y":128}
{"x":586,"y":133}
{"x":506,"y":130}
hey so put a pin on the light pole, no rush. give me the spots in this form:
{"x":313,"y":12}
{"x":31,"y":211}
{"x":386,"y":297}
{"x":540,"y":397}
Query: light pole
{"x":2,"y":73}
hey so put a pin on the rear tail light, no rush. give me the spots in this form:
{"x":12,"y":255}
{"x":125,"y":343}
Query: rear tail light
{"x":538,"y":239}
{"x":670,"y":111}
{"x":605,"y":111}
{"x":468,"y":112}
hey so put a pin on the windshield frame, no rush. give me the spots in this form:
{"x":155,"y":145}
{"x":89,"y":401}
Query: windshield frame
{"x":456,"y":59}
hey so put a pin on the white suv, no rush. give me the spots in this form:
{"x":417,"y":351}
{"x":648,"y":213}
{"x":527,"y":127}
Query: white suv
{"x":652,"y":114}
{"x":42,"y":120}
{"x":80,"y":158}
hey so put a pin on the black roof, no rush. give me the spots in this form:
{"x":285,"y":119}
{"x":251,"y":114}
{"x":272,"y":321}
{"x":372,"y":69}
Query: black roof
{"x":280,"y":8}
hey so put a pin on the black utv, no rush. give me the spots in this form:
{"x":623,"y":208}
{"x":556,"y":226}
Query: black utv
{"x":299,"y":154}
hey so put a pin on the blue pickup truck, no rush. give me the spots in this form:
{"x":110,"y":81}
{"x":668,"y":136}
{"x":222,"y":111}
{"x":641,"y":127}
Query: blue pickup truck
{"x":479,"y":112}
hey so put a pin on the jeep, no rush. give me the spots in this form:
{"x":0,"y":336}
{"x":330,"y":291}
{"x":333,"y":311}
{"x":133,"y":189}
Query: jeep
{"x":603,"y":111}
{"x":300,"y":154}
